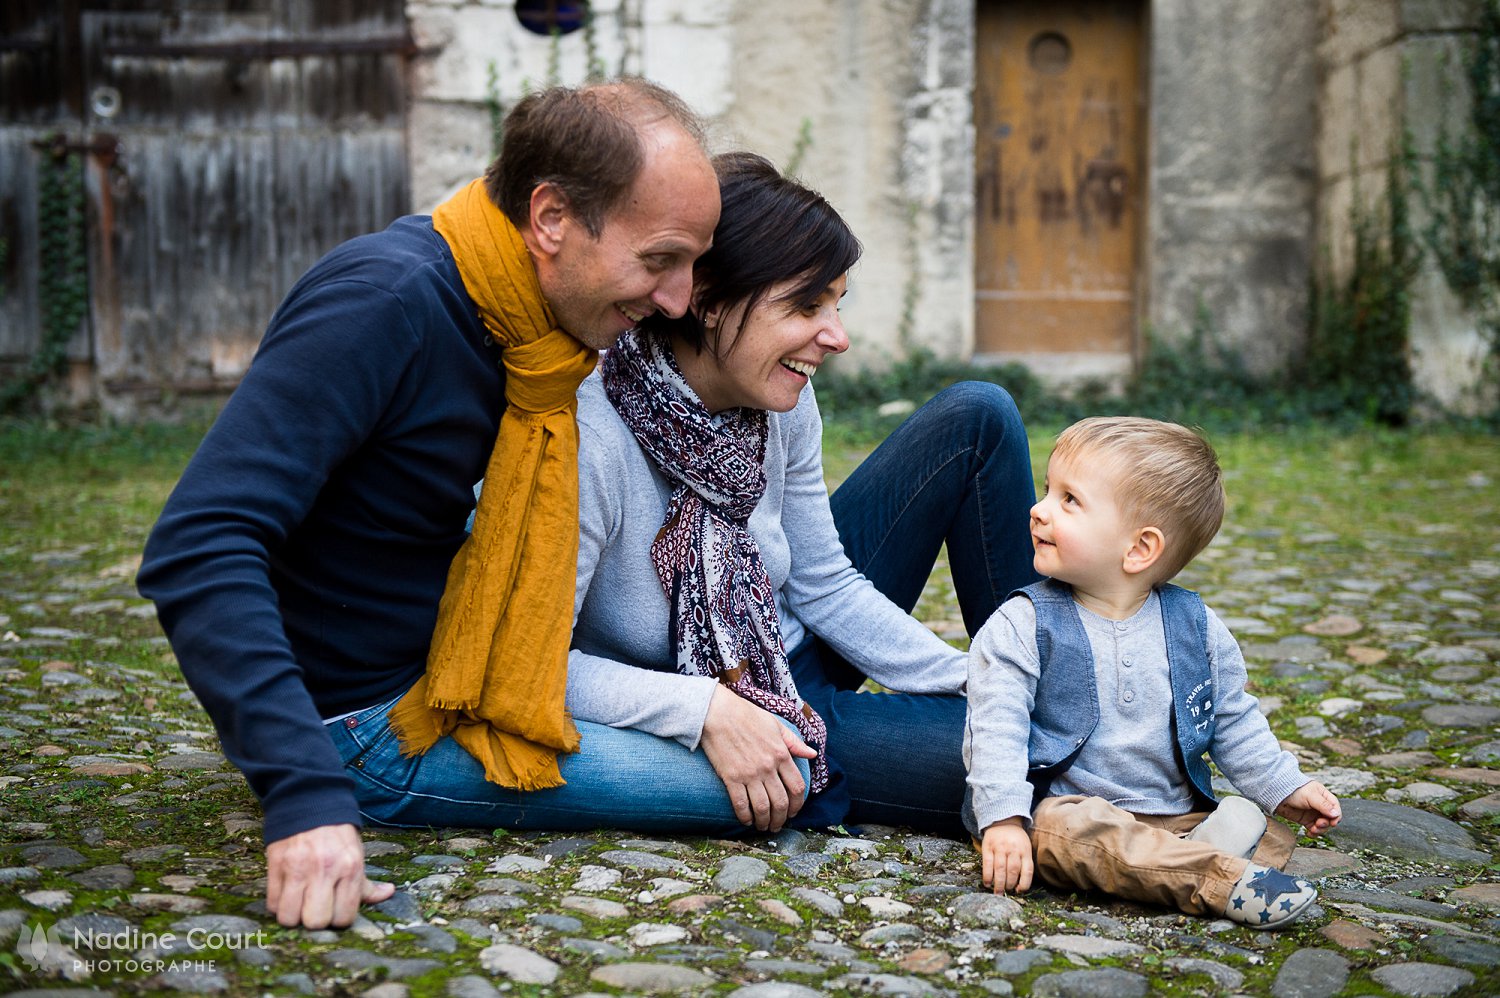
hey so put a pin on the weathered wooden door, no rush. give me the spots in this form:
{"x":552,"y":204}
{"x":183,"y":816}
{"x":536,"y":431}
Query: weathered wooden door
{"x":1058,"y":110}
{"x":224,"y":147}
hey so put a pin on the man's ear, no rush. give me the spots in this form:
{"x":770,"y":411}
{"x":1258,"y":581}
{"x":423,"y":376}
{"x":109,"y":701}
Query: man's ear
{"x":548,"y":219}
{"x":1145,"y":551}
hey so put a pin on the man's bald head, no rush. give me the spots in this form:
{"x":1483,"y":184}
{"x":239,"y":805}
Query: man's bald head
{"x":587,"y":142}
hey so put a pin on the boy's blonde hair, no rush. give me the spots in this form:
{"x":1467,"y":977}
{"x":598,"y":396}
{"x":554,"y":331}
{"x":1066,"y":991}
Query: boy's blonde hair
{"x":1166,"y":476}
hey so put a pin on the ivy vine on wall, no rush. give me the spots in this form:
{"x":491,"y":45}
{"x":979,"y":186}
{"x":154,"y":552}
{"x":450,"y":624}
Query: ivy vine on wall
{"x":1359,"y":340}
{"x":1463,"y":199}
{"x":63,"y":285}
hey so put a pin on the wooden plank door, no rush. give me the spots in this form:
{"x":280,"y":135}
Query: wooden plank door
{"x":1058,"y":185}
{"x":222,"y":148}
{"x":248,"y":139}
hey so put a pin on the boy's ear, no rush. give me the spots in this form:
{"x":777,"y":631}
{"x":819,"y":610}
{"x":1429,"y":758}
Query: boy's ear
{"x":548,"y":218}
{"x":1145,"y":551}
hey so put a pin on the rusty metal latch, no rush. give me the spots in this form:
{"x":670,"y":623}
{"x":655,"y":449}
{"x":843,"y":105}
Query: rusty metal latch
{"x":103,"y":146}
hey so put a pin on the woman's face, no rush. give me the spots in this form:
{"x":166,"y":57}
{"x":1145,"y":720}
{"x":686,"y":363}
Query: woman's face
{"x":774,"y":354}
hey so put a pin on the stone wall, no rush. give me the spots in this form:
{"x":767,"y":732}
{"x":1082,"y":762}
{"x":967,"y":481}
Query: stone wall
{"x":460,"y":44}
{"x":1263,"y":118}
{"x":1233,"y":181}
{"x":848,"y":73}
{"x":882,"y":90}
{"x":1389,"y":64}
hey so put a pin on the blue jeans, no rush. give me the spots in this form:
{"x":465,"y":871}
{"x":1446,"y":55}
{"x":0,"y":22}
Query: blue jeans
{"x":620,"y":778}
{"x":959,"y":471}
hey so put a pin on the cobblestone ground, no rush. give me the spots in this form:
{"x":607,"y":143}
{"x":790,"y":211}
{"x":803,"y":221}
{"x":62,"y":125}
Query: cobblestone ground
{"x":130,"y":859}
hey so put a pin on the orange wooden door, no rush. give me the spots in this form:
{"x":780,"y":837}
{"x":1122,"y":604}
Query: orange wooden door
{"x":1058,"y":115}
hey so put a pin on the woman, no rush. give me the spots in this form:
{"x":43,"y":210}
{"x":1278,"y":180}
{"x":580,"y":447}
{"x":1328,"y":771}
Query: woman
{"x":723,"y":602}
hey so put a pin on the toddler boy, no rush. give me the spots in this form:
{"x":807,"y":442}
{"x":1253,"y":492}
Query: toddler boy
{"x":1094,"y":694}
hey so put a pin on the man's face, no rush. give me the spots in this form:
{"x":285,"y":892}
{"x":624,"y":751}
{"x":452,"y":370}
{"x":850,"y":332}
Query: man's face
{"x":642,"y":261}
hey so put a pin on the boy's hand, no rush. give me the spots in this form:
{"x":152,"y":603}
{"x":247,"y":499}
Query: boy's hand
{"x":1313,"y":807}
{"x":1007,"y":856}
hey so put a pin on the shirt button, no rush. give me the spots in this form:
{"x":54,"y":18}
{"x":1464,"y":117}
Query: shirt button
{"x":1125,"y":662}
{"x":1129,"y":696}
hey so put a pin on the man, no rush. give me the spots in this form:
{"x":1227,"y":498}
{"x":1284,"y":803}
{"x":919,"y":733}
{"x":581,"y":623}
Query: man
{"x":299,"y":564}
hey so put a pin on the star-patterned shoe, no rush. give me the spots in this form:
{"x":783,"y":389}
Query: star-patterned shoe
{"x":1266,"y":898}
{"x":1235,"y":827}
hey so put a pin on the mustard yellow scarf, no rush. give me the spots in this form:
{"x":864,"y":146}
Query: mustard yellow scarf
{"x":497,"y":668}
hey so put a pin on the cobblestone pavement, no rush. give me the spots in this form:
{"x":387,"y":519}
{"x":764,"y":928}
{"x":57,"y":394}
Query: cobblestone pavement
{"x":130,"y":859}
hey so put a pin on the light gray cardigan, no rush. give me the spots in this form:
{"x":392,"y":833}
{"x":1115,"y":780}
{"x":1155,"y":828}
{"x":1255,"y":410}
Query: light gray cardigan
{"x":621,"y":671}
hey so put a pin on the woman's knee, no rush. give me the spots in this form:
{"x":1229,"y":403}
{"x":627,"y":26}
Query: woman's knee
{"x":988,"y":409}
{"x":980,"y":398}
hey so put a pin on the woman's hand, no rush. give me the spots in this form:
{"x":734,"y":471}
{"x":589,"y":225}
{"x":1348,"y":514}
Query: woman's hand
{"x":752,"y":752}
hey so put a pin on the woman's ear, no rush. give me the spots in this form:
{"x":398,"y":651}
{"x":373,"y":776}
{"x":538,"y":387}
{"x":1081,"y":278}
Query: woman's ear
{"x":1145,"y":551}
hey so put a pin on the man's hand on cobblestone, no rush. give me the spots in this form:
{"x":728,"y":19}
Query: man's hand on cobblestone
{"x":316,"y":878}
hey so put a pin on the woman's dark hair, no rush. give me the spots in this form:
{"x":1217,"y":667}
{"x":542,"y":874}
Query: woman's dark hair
{"x":771,"y":229}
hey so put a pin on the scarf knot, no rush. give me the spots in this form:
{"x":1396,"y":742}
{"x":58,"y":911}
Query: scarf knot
{"x":722,"y":604}
{"x":541,"y":377}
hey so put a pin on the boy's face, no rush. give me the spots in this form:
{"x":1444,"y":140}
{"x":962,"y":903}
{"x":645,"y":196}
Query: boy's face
{"x":1077,"y":530}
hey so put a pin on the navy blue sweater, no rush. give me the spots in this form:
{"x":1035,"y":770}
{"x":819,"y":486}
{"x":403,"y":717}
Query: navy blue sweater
{"x":298,"y":564}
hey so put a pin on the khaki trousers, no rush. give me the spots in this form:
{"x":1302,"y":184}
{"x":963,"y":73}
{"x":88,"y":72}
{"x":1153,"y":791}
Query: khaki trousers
{"x":1088,"y":843}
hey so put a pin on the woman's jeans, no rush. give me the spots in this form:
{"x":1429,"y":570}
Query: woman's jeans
{"x":957,"y":471}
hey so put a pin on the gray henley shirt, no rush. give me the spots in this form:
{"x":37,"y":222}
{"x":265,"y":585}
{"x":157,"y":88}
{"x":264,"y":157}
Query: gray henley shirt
{"x":1130,"y":760}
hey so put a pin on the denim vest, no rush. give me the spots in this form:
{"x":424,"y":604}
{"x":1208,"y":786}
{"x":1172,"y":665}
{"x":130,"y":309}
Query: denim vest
{"x":1066,"y":707}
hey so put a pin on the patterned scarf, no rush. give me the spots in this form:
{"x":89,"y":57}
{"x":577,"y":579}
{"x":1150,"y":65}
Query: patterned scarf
{"x":723,"y":608}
